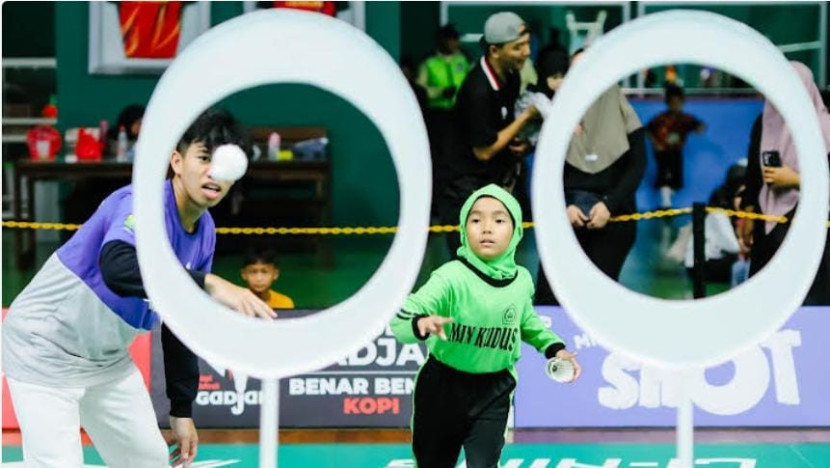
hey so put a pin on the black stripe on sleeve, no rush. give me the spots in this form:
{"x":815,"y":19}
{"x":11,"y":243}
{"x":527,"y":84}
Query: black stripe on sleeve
{"x":415,"y":330}
{"x":551,"y":350}
{"x":119,"y":269}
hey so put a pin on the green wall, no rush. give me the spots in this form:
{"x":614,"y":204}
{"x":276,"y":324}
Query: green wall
{"x":419,"y":29}
{"x":28,"y":29}
{"x":781,"y":24}
{"x":358,"y":152}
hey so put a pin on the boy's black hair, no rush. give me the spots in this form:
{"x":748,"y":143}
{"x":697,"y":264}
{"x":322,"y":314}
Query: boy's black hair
{"x":672,"y":91}
{"x":255,"y":255}
{"x":214,"y":127}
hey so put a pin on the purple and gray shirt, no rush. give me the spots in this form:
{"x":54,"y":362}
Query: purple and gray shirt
{"x":67,"y":328}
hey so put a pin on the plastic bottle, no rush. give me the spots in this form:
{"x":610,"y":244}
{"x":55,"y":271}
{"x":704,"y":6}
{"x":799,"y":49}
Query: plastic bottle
{"x":121,"y":151}
{"x":274,"y":143}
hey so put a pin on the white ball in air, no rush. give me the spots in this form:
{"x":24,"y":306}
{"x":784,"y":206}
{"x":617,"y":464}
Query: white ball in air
{"x":228,"y":163}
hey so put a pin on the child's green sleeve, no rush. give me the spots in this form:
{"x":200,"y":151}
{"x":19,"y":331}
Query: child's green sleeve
{"x":433,"y":298}
{"x":536,"y":334}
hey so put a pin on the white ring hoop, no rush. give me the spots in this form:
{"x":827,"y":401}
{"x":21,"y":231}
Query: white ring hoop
{"x":681,"y":333}
{"x":281,"y":46}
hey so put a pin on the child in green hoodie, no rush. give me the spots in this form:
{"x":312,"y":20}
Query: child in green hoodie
{"x":474,"y":312}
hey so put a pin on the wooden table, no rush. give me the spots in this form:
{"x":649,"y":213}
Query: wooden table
{"x":317,"y":173}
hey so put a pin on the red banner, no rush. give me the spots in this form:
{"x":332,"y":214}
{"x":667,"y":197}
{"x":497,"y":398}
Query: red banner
{"x":150,"y":29}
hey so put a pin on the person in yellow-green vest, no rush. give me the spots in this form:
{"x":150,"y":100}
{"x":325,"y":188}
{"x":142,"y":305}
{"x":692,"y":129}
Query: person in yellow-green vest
{"x":441,"y":75}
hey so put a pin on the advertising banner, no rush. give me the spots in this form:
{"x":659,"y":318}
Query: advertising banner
{"x":781,"y":382}
{"x":370,"y":388}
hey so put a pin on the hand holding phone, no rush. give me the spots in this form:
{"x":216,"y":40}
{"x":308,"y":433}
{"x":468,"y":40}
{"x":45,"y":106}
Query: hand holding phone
{"x":771,"y":158}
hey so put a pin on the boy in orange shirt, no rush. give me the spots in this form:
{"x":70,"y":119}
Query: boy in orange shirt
{"x":259,"y":272}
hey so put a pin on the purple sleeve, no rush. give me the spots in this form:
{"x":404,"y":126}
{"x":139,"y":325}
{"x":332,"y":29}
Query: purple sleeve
{"x":208,"y":245}
{"x":207,"y":265}
{"x":120,"y":224}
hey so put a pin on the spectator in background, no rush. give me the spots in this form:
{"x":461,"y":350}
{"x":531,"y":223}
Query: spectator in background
{"x":604,"y":166}
{"x":551,"y":70}
{"x":554,"y":46}
{"x":668,"y":132}
{"x":740,"y":269}
{"x":722,"y":249}
{"x":130,"y":118}
{"x":260,"y":271}
{"x":773,"y":189}
{"x":441,"y":75}
{"x":485,"y":144}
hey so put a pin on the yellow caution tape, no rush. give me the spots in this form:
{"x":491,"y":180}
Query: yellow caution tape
{"x":375,"y":230}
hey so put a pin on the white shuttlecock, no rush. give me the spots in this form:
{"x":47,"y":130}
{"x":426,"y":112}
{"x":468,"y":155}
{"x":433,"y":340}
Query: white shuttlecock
{"x":228,"y":163}
{"x":560,"y":370}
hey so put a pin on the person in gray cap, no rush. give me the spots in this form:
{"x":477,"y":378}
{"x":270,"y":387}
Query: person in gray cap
{"x":486,"y":148}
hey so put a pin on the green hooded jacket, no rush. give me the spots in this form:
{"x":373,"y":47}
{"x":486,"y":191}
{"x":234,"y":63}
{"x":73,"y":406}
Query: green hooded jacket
{"x":490,"y":302}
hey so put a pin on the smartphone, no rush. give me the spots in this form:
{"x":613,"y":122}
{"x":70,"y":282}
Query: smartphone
{"x":771,"y":158}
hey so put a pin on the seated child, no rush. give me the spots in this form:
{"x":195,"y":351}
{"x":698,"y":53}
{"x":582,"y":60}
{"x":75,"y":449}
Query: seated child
{"x":260,"y":271}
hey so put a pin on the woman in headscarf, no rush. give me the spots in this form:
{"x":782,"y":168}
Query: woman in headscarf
{"x":605,"y":163}
{"x":772,"y":188}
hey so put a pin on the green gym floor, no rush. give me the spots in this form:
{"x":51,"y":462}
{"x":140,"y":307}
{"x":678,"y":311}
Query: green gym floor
{"x":514,"y":456}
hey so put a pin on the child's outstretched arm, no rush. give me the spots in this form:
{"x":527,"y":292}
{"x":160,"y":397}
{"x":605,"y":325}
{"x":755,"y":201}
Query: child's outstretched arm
{"x":430,"y":303}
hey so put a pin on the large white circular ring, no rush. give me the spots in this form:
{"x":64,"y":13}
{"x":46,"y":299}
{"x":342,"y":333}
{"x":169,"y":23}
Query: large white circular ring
{"x":281,"y":46}
{"x":680,"y":333}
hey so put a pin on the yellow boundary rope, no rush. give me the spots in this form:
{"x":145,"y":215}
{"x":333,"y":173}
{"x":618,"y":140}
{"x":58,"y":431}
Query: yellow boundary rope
{"x":374,"y":230}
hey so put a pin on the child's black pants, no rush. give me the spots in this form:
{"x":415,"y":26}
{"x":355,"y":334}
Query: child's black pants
{"x":455,"y":409}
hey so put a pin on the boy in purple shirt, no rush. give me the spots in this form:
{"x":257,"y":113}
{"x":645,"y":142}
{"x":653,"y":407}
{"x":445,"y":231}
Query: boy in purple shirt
{"x":66,"y":335}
